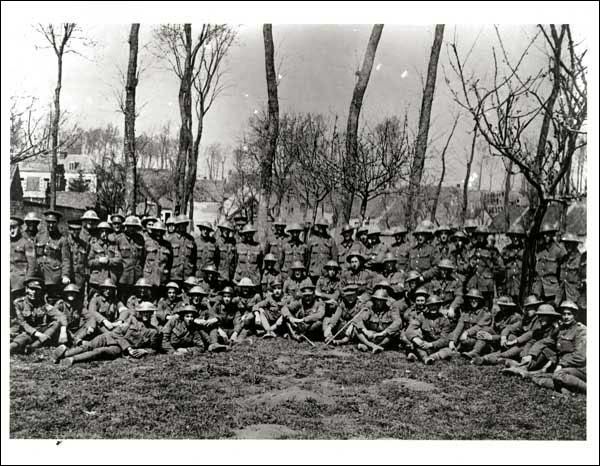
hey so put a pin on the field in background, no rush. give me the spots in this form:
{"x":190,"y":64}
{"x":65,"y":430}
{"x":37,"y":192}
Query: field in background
{"x":282,"y":389}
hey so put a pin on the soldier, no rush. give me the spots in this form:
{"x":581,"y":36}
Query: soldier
{"x":104,"y":311}
{"x":420,"y":256}
{"x":227,"y":252}
{"x":512,"y":256}
{"x":362,"y":239}
{"x":179,"y":249}
{"x":23,"y":260}
{"x":79,"y":251}
{"x":340,"y":328}
{"x":31,"y":232}
{"x":142,"y":292}
{"x":246,"y":301}
{"x":37,"y":323}
{"x":268,"y":311}
{"x":460,"y":254}
{"x":488,"y":265}
{"x":419,"y":300}
{"x":55,"y":262}
{"x":448,"y":286}
{"x":513,"y":344}
{"x":428,"y":332}
{"x":229,"y":324}
{"x":71,"y":306}
{"x":291,"y":285}
{"x":131,"y":247}
{"x":294,"y":249}
{"x":547,"y":265}
{"x":159,"y":257}
{"x":135,"y":337}
{"x":182,"y":335}
{"x":393,"y":276}
{"x":475,"y":317}
{"x":400,"y":248}
{"x":469,"y":227}
{"x":570,"y":373}
{"x":89,"y":222}
{"x":188,"y":284}
{"x":207,"y":251}
{"x":378,"y":325}
{"x":170,"y":225}
{"x":329,"y":286}
{"x":240,"y":220}
{"x":321,"y":249}
{"x":270,"y":273}
{"x":303,"y":318}
{"x":357,"y":275}
{"x":104,"y":259}
{"x":249,"y":256}
{"x":346,"y":244}
{"x":189,"y":244}
{"x":572,"y":273}
{"x":376,"y":250}
{"x":147,"y":223}
{"x":442,"y":248}
{"x":167,"y":306}
{"x":276,"y":242}
{"x":507,"y":322}
{"x":210,"y":282}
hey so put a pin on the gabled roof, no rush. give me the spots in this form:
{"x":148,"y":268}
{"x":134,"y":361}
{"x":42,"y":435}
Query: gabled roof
{"x":81,"y":201}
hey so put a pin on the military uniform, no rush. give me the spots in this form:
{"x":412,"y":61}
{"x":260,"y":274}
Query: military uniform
{"x":55,"y":261}
{"x":505,"y":324}
{"x":374,"y":255}
{"x":74,"y":318}
{"x":275,"y":245}
{"x":229,"y":317}
{"x":572,"y":273}
{"x":207,"y":253}
{"x":249,"y":261}
{"x":442,"y":251}
{"x":401,"y":252}
{"x":450,"y":290}
{"x":421,"y":259}
{"x":293,"y":251}
{"x":470,"y":323}
{"x":271,"y":308}
{"x":433,"y":330}
{"x":176,"y":334}
{"x":79,"y":268}
{"x":268,"y":277}
{"x":165,"y":311}
{"x":227,"y":259}
{"x":344,"y":249}
{"x":387,"y":321}
{"x":320,"y":251}
{"x":571,"y":351}
{"x":99,"y":310}
{"x":157,"y":266}
{"x":101,"y":271}
{"x":23,"y":262}
{"x":513,"y":263}
{"x":489,"y":266}
{"x":329,"y":289}
{"x":312,"y":315}
{"x":461,"y":258}
{"x":291,"y":288}
{"x":31,"y":318}
{"x":131,"y":248}
{"x":363,"y":279}
{"x":547,"y":265}
{"x":344,"y":313}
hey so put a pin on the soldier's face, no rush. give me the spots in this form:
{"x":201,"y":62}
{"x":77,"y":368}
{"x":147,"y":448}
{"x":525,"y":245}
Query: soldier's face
{"x":188,"y":318}
{"x":279,"y":230}
{"x":350,"y":298}
{"x":117,"y":226}
{"x":246,"y":291}
{"x":70,"y":297}
{"x":517,"y":241}
{"x":171,"y":294}
{"x":473,"y":303}
{"x":15,"y":230}
{"x":146,"y":293}
{"x":156,"y":234}
{"x":443,"y":237}
{"x":277,"y":292}
{"x":445,"y":273}
{"x":225,"y":233}
{"x":412,"y":285}
{"x":420,"y":302}
{"x":459,"y":243}
{"x":196,"y":299}
{"x":362,"y":237}
{"x":571,"y":246}
{"x":144,"y":316}
{"x":308,"y":297}
{"x":390,"y":267}
{"x":433,"y":310}
{"x":88,"y":225}
{"x":270,"y":265}
{"x":248,"y":237}
{"x":295,"y":235}
{"x":374,"y":239}
{"x":567,"y":316}
{"x":171,"y":228}
{"x":52,"y":226}
{"x":399,"y":238}
{"x":31,"y":226}
{"x":227,"y":299}
{"x":355,"y":263}
{"x":107,"y":292}
{"x":379,"y":304}
{"x":297,"y":274}
{"x":103,"y":235}
{"x":420,"y":239}
{"x":332,"y":272}
{"x":347,"y":236}
{"x":530,"y":310}
{"x":32,"y":293}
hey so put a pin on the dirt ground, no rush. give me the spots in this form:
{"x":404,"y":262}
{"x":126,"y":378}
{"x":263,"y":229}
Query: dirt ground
{"x":282,"y":389}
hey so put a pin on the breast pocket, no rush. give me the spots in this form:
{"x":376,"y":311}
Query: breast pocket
{"x":126,"y":252}
{"x":567,"y":344}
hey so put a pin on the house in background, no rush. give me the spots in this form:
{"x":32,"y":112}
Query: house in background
{"x":35,"y":174}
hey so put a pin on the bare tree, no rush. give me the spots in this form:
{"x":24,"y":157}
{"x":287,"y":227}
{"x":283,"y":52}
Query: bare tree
{"x":215,"y":160}
{"x":59,"y":39}
{"x":514,"y":107}
{"x":130,"y":117}
{"x":363,"y":76}
{"x":424,"y":118}
{"x":465,"y":196}
{"x":436,"y":199}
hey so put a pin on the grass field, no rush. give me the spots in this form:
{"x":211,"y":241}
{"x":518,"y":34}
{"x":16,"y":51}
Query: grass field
{"x":282,"y":389}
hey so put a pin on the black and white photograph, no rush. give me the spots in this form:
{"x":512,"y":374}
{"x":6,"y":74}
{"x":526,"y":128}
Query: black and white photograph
{"x":286,"y":222}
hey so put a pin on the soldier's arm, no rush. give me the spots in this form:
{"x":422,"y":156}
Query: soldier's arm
{"x":396,"y":324}
{"x":458,"y":330}
{"x":28,"y":329}
{"x":512,"y":327}
{"x":57,"y":315}
{"x":167,"y":331}
{"x":444,"y":337}
{"x":31,"y":256}
{"x":578,"y":357}
{"x":316,"y":316}
{"x":66,"y":258}
{"x":332,"y":321}
{"x":414,"y":330}
{"x":484,"y":322}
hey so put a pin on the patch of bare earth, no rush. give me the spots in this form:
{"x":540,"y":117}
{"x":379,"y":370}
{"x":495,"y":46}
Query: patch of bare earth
{"x":265,"y":432}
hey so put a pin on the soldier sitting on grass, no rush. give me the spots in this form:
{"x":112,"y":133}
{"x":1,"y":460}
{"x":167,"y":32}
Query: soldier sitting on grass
{"x":134,"y":337}
{"x":378,"y":325}
{"x":428,"y":332}
{"x":37,"y":323}
{"x":181,"y":335}
{"x":246,"y":301}
{"x":475,"y":317}
{"x":342,"y":324}
{"x":229,"y":318}
{"x":103,"y":312}
{"x":167,"y":306}
{"x":268,"y":311}
{"x":291,"y":286}
{"x":303,"y":318}
{"x":270,"y":274}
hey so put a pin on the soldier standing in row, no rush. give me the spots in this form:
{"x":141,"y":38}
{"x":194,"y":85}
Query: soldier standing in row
{"x":420,"y":256}
{"x":547,"y":266}
{"x":104,"y":259}
{"x":23,"y":261}
{"x":31,"y":232}
{"x":207,"y":251}
{"x":179,"y":251}
{"x":294,"y":249}
{"x":442,"y":248}
{"x":512,"y":256}
{"x":159,"y":258}
{"x":79,"y":250}
{"x":346,"y":244}
{"x":376,"y":250}
{"x":460,"y":254}
{"x":191,"y":251}
{"x":572,"y":273}
{"x":55,"y":262}
{"x":249,"y":256}
{"x":488,"y":265}
{"x":276,"y":242}
{"x":89,"y":222}
{"x":132,"y":250}
{"x":400,"y":248}
{"x":227,"y":252}
{"x":321,"y":249}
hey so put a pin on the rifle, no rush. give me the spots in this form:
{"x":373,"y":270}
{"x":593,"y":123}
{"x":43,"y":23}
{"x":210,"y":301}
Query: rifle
{"x":343,"y":328}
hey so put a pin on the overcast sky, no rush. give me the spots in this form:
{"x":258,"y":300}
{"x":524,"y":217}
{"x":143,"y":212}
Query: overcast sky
{"x":316,"y":63}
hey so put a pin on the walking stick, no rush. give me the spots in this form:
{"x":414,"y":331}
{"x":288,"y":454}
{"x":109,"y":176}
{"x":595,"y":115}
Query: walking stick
{"x":304,"y":337}
{"x":343,"y":328}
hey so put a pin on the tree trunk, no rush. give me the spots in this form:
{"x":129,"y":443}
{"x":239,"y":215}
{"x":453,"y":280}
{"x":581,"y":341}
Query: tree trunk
{"x":465,"y":199}
{"x":185,"y":132}
{"x":364,"y":202}
{"x":349,"y":163}
{"x":443,"y":174}
{"x":529,"y":255}
{"x":129,"y":136}
{"x":55,"y":124}
{"x":507,"y":195}
{"x":266,"y":163}
{"x":416,"y":172}
{"x":192,"y":163}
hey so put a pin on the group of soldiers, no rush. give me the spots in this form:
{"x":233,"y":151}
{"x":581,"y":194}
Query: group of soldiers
{"x":131,"y":287}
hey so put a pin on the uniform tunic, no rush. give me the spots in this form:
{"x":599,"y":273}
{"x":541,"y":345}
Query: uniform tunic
{"x":131,"y":248}
{"x":98,"y":271}
{"x":157,"y":266}
{"x":55,"y":261}
{"x":249,"y":261}
{"x":547,"y":269}
{"x":23,"y":262}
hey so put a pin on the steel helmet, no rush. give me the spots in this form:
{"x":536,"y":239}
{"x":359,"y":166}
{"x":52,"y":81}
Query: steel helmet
{"x":104,"y":226}
{"x":90,"y":215}
{"x":307,"y":285}
{"x":570,"y":238}
{"x":172,"y":285}
{"x":145,"y":306}
{"x":413,"y":275}
{"x":133,"y":221}
{"x":32,"y":217}
{"x":506,"y":301}
{"x":270,"y":258}
{"x":568,"y":304}
{"x":158,"y":225}
{"x":389,"y":257}
{"x":332,"y":265}
{"x":210,"y":269}
{"x":381,"y":294}
{"x":143,"y":283}
{"x":532,"y":300}
{"x":108,"y":283}
{"x":475,"y":294}
{"x":191,"y":281}
{"x":297,"y":265}
{"x":294,"y":227}
{"x":516,"y":229}
{"x":547,"y":310}
{"x":205,"y":226}
{"x":434,"y":299}
{"x":227,"y":290}
{"x":355,"y":253}
{"x":187,"y":309}
{"x":421,"y":292}
{"x":71,"y":288}
{"x":446,"y":264}
{"x":246,"y":282}
{"x":248,"y":228}
{"x":198,"y":290}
